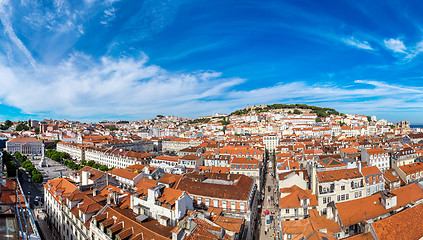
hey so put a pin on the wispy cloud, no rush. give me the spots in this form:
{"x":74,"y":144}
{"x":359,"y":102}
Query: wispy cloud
{"x":109,"y":12}
{"x":154,"y":17}
{"x":5,"y":10}
{"x":395,"y":45}
{"x":352,"y":41}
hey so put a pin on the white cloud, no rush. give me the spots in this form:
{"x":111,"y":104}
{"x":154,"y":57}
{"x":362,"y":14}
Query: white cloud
{"x":395,"y":45}
{"x":357,"y":43}
{"x":109,"y":13}
{"x":5,"y":10}
{"x":82,"y":87}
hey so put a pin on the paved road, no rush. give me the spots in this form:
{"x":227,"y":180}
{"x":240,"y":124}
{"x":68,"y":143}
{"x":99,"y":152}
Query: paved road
{"x":53,"y":170}
{"x":270,"y":231}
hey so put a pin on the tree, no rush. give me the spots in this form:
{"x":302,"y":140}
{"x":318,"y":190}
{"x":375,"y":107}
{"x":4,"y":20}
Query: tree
{"x":113,"y":128}
{"x":159,"y":116}
{"x":8,"y":123}
{"x":83,"y":162}
{"x":37,"y":178}
{"x":318,"y":119}
{"x":296,"y":111}
{"x":55,"y":143}
{"x":11,"y":168}
{"x":30,"y":169}
{"x":34,"y":172}
{"x":103,"y":168}
{"x":26,"y":164}
{"x":369,"y":119}
{"x":225,"y":122}
{"x":90,"y":163}
{"x":22,"y":127}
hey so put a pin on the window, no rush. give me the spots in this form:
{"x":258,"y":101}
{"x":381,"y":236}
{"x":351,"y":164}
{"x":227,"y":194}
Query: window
{"x":287,"y":210}
{"x":199,"y":201}
{"x":342,"y":187}
{"x":305,"y":211}
{"x":324,"y":200}
{"x":324,"y":211}
{"x":242,"y":206}
{"x":215,"y":203}
{"x":224,"y":204}
{"x":233,"y":205}
{"x":296,"y":212}
{"x":339,"y":197}
{"x":347,"y":196}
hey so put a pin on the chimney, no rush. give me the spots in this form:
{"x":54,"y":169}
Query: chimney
{"x":95,"y":192}
{"x":359,"y":166}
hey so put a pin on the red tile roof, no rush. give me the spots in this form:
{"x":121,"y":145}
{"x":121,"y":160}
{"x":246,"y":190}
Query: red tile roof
{"x":407,"y":224}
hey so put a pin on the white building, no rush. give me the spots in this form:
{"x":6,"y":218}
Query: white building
{"x":75,"y":151}
{"x":25,"y":145}
{"x":68,"y":209}
{"x":176,"y":144}
{"x":127,"y":179}
{"x":164,"y":204}
{"x":376,"y":157}
{"x":271,"y":142}
{"x":374,"y":180}
{"x":336,"y":186}
{"x":117,"y":158}
{"x":191,"y":161}
{"x":247,"y":166}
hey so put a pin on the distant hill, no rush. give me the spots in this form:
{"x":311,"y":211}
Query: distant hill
{"x":294,"y":108}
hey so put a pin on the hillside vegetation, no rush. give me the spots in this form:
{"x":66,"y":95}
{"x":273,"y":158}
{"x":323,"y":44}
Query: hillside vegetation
{"x":321,"y":112}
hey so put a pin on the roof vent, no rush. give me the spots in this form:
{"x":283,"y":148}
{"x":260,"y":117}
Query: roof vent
{"x":348,"y":174}
{"x":331,"y":176}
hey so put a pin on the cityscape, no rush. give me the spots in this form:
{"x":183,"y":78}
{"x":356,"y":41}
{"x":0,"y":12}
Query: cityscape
{"x":281,"y":171}
{"x":211,"y":120}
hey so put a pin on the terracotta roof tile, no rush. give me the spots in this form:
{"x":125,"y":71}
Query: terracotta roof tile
{"x":407,"y":224}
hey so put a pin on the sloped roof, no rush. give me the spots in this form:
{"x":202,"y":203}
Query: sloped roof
{"x":407,"y":224}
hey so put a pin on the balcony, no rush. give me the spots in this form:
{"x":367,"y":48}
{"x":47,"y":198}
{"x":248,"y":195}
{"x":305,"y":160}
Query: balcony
{"x":327,"y":190}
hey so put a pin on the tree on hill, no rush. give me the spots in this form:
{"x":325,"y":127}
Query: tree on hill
{"x":22,"y":127}
{"x":113,"y":128}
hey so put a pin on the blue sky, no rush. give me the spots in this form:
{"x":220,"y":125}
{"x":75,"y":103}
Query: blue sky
{"x":116,"y":59}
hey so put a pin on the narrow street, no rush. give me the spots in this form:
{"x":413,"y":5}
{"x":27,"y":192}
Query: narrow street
{"x":269,"y":214}
{"x":32,"y":190}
